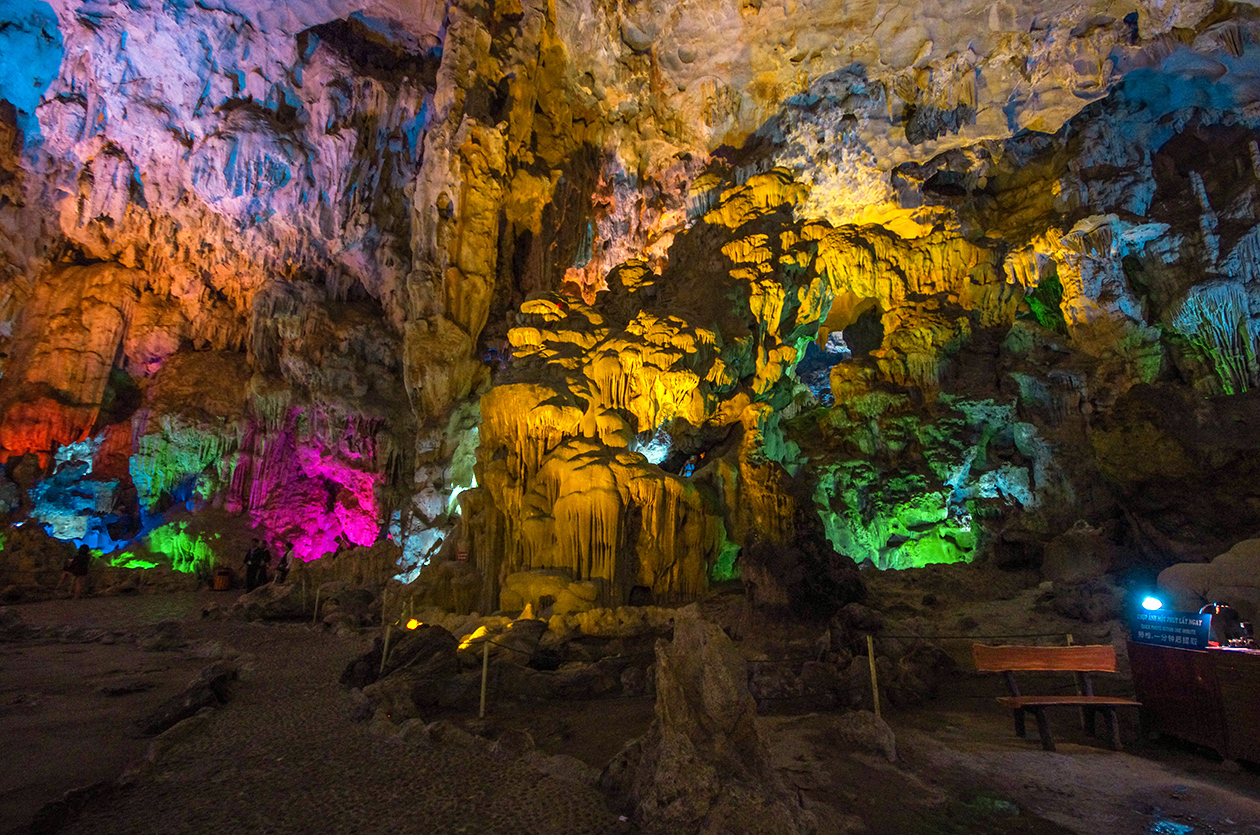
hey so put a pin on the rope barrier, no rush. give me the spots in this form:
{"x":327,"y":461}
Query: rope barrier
{"x":523,"y":652}
{"x":802,"y":659}
{"x":495,"y":691}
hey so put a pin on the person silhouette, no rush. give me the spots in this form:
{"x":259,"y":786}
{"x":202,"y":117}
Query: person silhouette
{"x":255,"y":565}
{"x":76,"y":568}
{"x":286,"y":562}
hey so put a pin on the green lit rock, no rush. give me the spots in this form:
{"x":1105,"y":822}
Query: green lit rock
{"x":177,"y":457}
{"x":900,"y":489}
{"x":188,"y":552}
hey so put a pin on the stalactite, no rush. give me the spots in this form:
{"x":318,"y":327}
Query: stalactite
{"x":1214,"y":317}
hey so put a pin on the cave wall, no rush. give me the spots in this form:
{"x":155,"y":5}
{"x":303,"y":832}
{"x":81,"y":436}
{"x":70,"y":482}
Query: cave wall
{"x":625,"y":289}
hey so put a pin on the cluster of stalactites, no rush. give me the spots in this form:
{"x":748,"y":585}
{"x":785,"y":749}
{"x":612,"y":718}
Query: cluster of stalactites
{"x":562,"y":481}
{"x":602,"y":515}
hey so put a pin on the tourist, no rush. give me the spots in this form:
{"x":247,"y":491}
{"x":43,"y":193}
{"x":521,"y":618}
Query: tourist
{"x":286,"y":560}
{"x":255,"y":565}
{"x":78,"y":567}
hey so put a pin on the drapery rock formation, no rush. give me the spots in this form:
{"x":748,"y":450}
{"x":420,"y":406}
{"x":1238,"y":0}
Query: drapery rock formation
{"x":628,"y":293}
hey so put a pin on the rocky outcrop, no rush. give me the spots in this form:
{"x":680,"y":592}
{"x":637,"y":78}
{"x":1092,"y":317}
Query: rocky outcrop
{"x":703,"y":767}
{"x":1232,"y":578}
{"x":210,"y":688}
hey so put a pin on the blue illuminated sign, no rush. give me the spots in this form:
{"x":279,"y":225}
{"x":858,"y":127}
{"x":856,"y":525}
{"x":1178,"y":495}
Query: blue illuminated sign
{"x":1184,"y":630}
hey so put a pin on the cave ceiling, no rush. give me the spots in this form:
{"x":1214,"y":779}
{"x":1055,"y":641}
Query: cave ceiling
{"x":632,"y":290}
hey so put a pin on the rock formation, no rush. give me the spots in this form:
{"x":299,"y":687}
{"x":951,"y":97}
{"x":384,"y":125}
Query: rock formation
{"x":702,"y":767}
{"x":627,"y":293}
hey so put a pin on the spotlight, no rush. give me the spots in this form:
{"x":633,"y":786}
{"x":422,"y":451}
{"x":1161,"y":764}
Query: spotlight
{"x":1151,"y":604}
{"x":413,"y":623}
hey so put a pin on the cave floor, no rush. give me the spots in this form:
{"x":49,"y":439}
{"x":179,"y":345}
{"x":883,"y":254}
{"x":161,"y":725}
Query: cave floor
{"x":961,"y":769}
{"x":283,"y":757}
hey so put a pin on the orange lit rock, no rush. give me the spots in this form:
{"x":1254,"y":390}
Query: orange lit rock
{"x":41,"y":425}
{"x":63,"y":347}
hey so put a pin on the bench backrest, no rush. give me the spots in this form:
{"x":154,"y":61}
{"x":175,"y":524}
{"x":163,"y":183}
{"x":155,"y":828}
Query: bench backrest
{"x":1096,"y":658}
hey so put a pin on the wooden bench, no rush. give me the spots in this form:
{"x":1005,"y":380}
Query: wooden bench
{"x":1080,"y":661}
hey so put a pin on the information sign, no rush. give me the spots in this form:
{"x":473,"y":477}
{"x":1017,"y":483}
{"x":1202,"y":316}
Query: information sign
{"x":1186,"y":630}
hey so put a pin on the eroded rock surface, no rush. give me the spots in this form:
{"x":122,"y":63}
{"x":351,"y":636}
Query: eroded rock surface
{"x":703,"y":766}
{"x":626,"y":292}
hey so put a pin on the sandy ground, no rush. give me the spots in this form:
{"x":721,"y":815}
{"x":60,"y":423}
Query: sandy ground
{"x":283,"y":757}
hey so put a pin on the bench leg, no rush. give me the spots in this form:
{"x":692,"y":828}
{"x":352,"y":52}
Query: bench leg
{"x":1043,"y":728}
{"x":1020,"y":730}
{"x":1113,"y":723}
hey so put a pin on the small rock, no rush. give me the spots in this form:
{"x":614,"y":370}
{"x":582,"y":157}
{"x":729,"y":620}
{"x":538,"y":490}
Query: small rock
{"x":633,"y":681}
{"x":210,"y":650}
{"x":166,"y":635}
{"x":448,"y":734}
{"x":414,"y":732}
{"x":863,"y":730}
{"x":382,"y":725}
{"x":565,"y":767}
{"x":361,"y":706}
{"x":512,"y":745}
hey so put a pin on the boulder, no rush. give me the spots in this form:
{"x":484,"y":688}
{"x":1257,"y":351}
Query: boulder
{"x":1081,"y":553}
{"x":414,"y":731}
{"x":862,"y":730}
{"x":515,"y":643}
{"x":392,"y":697}
{"x":419,"y":648}
{"x":208,"y":689}
{"x":163,"y":636}
{"x":419,"y":667}
{"x":1091,"y":601}
{"x":270,"y":602}
{"x":702,"y":766}
{"x":855,"y":617}
{"x":1232,"y":577}
{"x":12,"y":627}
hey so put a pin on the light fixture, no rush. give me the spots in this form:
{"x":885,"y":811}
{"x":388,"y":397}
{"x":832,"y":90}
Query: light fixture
{"x":413,"y":623}
{"x":1151,"y":604}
